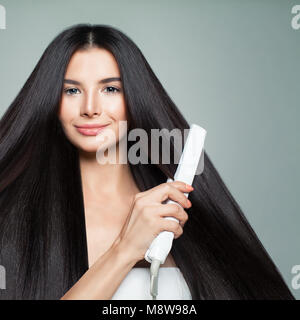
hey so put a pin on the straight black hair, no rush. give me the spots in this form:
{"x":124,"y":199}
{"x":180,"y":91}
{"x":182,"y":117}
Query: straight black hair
{"x":43,"y":243}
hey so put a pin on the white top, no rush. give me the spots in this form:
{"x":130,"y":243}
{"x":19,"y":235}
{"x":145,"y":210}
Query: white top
{"x":136,"y":285}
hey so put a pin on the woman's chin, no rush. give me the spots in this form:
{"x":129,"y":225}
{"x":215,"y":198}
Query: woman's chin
{"x":101,"y":150}
{"x":88,"y":148}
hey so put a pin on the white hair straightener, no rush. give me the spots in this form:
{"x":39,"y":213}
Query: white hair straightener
{"x":191,"y":163}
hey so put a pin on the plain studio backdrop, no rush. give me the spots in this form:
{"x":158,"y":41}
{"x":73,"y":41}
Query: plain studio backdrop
{"x":231,"y":66}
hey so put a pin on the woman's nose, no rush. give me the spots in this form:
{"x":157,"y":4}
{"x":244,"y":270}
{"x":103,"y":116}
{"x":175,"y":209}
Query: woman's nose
{"x":92,"y":104}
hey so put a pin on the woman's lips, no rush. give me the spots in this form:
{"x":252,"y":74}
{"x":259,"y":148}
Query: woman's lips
{"x":90,"y":131}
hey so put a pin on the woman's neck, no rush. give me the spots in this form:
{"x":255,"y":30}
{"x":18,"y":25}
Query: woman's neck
{"x":105,"y":181}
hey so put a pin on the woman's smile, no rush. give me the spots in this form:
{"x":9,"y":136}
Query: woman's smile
{"x":90,"y":131}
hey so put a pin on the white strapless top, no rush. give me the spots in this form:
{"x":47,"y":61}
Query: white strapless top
{"x":136,"y":285}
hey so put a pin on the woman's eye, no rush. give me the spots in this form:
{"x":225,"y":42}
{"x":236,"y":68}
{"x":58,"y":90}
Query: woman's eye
{"x":71,"y":91}
{"x":112,"y":91}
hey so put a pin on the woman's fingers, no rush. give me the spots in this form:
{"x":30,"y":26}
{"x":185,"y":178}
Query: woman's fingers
{"x":170,"y":190}
{"x":169,"y":210}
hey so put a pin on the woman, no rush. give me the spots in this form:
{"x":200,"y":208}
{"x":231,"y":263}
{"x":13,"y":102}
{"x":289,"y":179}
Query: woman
{"x":73,"y":229}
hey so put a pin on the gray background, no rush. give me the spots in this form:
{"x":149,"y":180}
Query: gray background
{"x":231,"y":66}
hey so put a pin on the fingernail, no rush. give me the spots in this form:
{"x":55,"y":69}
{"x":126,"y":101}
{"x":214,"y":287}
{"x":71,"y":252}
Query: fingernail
{"x":189,"y":186}
{"x":189,"y":202}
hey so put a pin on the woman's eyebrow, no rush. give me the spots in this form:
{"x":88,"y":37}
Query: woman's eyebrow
{"x":106,"y":80}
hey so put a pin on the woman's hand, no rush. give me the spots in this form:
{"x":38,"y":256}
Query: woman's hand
{"x":146,"y":217}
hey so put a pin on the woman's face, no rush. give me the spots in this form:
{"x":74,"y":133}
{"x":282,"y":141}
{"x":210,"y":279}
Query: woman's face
{"x":89,"y":98}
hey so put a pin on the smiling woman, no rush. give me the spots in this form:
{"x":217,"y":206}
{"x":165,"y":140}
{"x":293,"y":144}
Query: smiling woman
{"x":73,"y":229}
{"x":87,"y":107}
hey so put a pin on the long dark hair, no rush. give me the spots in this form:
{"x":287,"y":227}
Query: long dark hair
{"x":42,"y":226}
